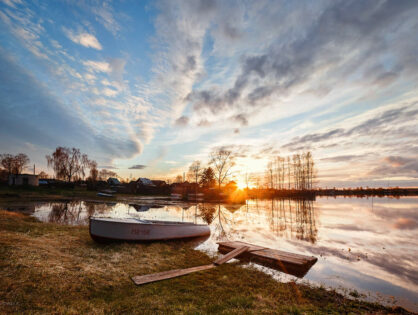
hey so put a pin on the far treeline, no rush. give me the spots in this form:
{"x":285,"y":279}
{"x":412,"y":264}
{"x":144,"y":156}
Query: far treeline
{"x":68,"y":164}
{"x":287,"y":176}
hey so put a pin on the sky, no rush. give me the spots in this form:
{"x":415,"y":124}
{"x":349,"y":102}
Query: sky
{"x":147,"y":87}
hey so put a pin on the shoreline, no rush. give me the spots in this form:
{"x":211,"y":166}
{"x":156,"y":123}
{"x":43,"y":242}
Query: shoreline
{"x":96,"y":278}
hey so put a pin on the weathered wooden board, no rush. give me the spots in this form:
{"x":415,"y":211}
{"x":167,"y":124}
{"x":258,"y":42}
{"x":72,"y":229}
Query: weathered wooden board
{"x":294,"y":264}
{"x":233,"y":254}
{"x":138,"y":280}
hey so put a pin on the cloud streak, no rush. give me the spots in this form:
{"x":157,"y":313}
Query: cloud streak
{"x":84,"y":39}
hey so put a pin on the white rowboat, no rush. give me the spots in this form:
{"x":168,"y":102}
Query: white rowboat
{"x":132,"y":229}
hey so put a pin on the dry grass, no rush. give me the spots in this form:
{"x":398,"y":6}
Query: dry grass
{"x":50,"y":268}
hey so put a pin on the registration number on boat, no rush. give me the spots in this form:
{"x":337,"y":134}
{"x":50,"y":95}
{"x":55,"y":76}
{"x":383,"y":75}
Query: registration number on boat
{"x":135,"y":231}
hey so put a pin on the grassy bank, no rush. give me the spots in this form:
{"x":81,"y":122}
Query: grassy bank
{"x":50,"y":268}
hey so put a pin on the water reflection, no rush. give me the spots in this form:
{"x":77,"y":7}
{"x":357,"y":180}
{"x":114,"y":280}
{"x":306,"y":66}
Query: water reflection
{"x":363,"y":244}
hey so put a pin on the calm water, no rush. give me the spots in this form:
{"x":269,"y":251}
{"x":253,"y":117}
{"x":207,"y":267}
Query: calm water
{"x":367,"y":245}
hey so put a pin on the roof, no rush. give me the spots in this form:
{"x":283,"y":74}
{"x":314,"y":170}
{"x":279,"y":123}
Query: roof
{"x":21,"y":175}
{"x":113,"y":180}
{"x":145,"y":181}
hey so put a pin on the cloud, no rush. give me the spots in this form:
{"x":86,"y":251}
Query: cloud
{"x":106,"y":16}
{"x":31,"y":113}
{"x":405,"y":224}
{"x":83,"y":39}
{"x":182,"y":121}
{"x":137,"y":167}
{"x":97,"y":66}
{"x":342,"y":158}
{"x":316,"y":52}
{"x":379,"y":125}
{"x":397,"y":165}
{"x":108,"y":167}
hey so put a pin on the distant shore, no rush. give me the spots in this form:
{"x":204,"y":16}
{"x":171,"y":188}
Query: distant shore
{"x":64,"y":193}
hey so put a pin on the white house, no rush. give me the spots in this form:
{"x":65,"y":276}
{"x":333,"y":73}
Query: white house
{"x":23,"y":180}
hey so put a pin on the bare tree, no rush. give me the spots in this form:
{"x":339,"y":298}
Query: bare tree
{"x":68,"y":163}
{"x":223,"y":161}
{"x":14,"y":164}
{"x":94,"y":173}
{"x":43,"y":175}
{"x":104,"y":174}
{"x":179,"y":179}
{"x":195,"y":171}
{"x":269,"y":175}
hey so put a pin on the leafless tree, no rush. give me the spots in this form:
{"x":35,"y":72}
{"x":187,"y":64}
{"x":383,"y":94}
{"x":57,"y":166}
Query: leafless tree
{"x":14,"y":164}
{"x":179,"y":179}
{"x":43,"y":175}
{"x":94,"y":173}
{"x":104,"y":174}
{"x":195,"y":171}
{"x":68,"y":163}
{"x":222,"y":161}
{"x":301,"y":167}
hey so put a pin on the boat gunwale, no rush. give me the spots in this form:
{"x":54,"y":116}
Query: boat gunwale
{"x":160,"y":223}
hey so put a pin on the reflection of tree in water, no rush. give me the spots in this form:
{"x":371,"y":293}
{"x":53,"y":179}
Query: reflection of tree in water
{"x":294,"y":219}
{"x":68,"y":212}
{"x":218,"y":216}
{"x":75,"y":212}
{"x":207,"y":213}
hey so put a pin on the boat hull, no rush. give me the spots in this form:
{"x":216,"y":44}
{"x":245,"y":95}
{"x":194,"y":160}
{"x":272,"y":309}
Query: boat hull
{"x":102,"y":229}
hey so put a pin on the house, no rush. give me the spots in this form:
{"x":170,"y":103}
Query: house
{"x":113,"y":181}
{"x":23,"y":180}
{"x":142,"y":181}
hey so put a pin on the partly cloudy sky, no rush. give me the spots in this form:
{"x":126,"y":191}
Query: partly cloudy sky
{"x":146,"y":87}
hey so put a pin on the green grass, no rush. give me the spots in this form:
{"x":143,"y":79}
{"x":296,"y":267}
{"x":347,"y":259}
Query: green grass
{"x":51,"y":268}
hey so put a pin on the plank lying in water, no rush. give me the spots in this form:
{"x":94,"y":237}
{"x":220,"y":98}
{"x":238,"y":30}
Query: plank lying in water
{"x":294,"y":264}
{"x":138,"y":280}
{"x":236,"y":252}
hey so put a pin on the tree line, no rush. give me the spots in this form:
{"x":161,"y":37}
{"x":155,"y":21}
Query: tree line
{"x":291,"y":172}
{"x":68,"y":164}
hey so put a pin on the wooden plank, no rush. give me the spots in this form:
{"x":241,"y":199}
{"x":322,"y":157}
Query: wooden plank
{"x":237,"y":244}
{"x":279,"y":252}
{"x":230,"y":255}
{"x":290,"y":263}
{"x":138,"y":280}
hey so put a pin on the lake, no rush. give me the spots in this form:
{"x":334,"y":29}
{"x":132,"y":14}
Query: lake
{"x":365,"y":246}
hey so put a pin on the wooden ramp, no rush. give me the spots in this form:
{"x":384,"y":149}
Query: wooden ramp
{"x":294,"y":264}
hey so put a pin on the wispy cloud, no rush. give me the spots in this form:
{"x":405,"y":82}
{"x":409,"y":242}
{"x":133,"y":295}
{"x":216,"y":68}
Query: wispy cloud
{"x":84,"y":39}
{"x":137,"y":167}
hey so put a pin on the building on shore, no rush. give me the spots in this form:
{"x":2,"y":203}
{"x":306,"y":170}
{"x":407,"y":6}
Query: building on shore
{"x":23,"y":180}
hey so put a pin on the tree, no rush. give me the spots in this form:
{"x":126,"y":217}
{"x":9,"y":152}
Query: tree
{"x":43,"y":175}
{"x":14,"y":164}
{"x":104,"y":174}
{"x":195,"y":171}
{"x":179,"y":179}
{"x":68,"y":163}
{"x":223,"y":161}
{"x":94,"y":173}
{"x":208,"y":178}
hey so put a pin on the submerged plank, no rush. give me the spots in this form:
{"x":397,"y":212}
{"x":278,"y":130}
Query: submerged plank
{"x":138,"y":280}
{"x":236,"y":252}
